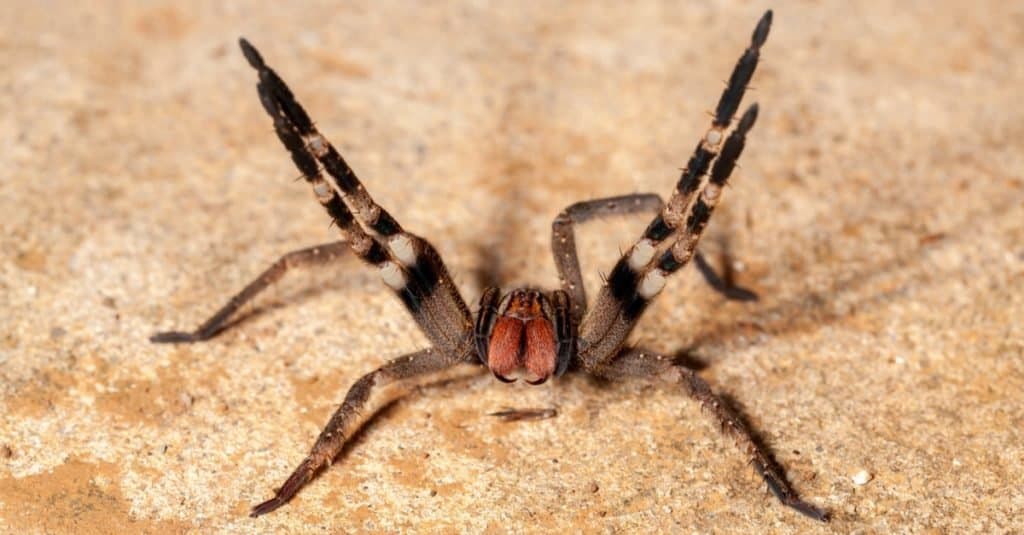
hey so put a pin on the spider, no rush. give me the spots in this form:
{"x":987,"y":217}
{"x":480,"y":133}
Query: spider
{"x":525,"y":332}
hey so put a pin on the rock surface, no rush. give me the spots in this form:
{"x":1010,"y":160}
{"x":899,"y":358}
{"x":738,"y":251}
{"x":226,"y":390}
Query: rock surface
{"x":879,"y":212}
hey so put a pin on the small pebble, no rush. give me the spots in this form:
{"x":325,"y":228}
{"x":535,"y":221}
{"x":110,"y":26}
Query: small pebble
{"x":861,"y":478}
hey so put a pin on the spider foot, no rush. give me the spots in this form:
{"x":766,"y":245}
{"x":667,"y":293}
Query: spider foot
{"x":176,"y":337}
{"x":809,"y":510}
{"x":266,"y":507}
{"x":302,"y":475}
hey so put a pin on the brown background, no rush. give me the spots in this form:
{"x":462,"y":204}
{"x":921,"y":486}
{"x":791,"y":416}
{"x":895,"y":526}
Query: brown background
{"x":879,"y":211}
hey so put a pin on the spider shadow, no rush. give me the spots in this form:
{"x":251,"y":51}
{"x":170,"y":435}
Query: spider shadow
{"x":488,"y":272}
{"x":812,"y":310}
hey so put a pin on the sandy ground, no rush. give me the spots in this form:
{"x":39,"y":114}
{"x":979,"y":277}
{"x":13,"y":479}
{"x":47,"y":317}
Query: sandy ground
{"x":879,"y":212}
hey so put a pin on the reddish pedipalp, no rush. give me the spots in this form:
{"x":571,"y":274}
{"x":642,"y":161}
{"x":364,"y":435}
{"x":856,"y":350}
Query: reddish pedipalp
{"x":540,"y":350}
{"x":505,"y":347}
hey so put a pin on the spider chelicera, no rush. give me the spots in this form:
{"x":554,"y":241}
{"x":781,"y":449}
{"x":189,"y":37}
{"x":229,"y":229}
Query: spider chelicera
{"x":525,"y":332}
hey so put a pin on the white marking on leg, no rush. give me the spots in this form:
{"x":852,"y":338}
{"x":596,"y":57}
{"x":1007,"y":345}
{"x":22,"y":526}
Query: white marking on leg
{"x":642,"y":253}
{"x":322,"y":190}
{"x":393,"y":275}
{"x":651,"y":284}
{"x":317,"y":144}
{"x":711,"y":193}
{"x":401,"y":245}
{"x":713,"y":137}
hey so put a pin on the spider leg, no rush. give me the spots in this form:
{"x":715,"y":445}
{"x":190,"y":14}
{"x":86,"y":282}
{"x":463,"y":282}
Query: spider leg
{"x":563,"y":246}
{"x":633,"y":362}
{"x":563,"y":238}
{"x":366,"y":397}
{"x":407,"y":263}
{"x":640,"y":273}
{"x":671,"y":218}
{"x":317,"y":255}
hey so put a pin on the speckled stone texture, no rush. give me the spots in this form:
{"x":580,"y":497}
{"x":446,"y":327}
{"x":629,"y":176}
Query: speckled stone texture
{"x":879,"y":212}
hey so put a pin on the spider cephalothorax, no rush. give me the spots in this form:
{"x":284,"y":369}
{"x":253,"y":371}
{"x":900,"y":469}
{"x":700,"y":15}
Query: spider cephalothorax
{"x":525,"y":331}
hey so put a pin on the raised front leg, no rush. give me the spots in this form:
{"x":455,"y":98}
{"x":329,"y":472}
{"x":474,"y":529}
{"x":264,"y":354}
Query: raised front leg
{"x":312,"y":256}
{"x":368,"y":395}
{"x":670,"y":240}
{"x":408,"y":264}
{"x":636,"y":362}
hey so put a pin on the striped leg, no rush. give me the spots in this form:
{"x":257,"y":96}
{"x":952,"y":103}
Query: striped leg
{"x":643,"y":363}
{"x":681,"y":251}
{"x":318,"y":255}
{"x":640,"y":274}
{"x":368,"y":395}
{"x":408,"y":263}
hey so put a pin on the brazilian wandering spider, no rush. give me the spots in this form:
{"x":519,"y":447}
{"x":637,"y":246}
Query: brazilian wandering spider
{"x":524,"y":332}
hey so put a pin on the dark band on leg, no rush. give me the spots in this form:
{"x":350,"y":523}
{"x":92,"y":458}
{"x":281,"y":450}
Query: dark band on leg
{"x":695,"y":169}
{"x":742,"y":73}
{"x":726,"y":161}
{"x":622,"y":281}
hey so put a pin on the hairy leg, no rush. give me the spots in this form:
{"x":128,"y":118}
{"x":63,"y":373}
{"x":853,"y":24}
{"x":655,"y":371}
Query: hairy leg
{"x":408,"y":264}
{"x":312,"y":256}
{"x":636,"y":362}
{"x":365,"y":398}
